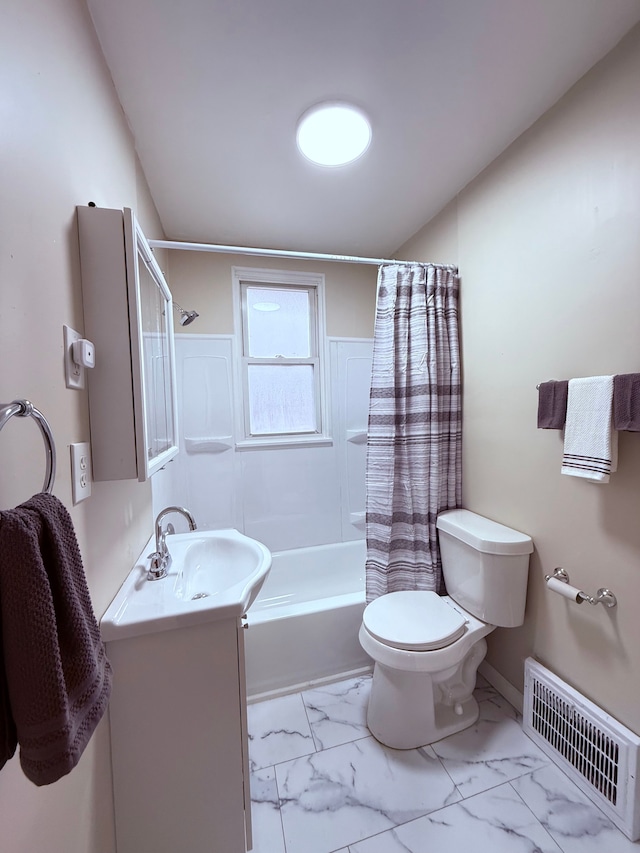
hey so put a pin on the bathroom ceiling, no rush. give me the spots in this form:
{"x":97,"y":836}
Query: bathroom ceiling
{"x":213,"y":89}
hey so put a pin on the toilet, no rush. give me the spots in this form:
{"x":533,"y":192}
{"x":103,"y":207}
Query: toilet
{"x":427,"y":647}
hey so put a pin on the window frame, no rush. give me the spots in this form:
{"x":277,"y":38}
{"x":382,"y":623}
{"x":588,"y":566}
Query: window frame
{"x":314,"y":284}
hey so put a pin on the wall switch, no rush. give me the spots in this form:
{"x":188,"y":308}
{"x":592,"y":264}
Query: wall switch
{"x":81,"y":471}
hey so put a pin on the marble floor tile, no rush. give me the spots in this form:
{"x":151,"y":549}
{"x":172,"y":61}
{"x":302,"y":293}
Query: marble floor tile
{"x":278,"y":731}
{"x":496,"y":821}
{"x":488,"y":753}
{"x":492,"y":704}
{"x":569,"y":816}
{"x":265,"y":813}
{"x":338,"y":712}
{"x":341,"y":795}
{"x":335,"y":789}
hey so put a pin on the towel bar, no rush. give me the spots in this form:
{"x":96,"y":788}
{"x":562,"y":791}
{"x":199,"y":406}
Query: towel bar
{"x":23,"y":409}
{"x":559,"y":577}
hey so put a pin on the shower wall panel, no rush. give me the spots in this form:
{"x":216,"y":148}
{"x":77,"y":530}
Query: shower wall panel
{"x":291,"y":497}
{"x":204,"y":476}
{"x":285,"y":497}
{"x":350,"y":382}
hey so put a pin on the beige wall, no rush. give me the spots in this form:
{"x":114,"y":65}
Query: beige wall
{"x":202,"y":281}
{"x":63,"y":142}
{"x":547,"y":241}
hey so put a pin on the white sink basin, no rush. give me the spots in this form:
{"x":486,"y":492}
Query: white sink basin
{"x":215,"y":574}
{"x":211,"y":562}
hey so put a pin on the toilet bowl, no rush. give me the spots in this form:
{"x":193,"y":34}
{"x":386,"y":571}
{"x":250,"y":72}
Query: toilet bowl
{"x":427,"y":648}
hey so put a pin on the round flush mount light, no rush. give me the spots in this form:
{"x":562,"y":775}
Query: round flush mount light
{"x":333,"y":134}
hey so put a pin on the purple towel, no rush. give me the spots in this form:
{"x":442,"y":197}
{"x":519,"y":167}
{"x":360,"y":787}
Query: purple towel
{"x":58,"y":679}
{"x":626,"y":402}
{"x":552,"y":404}
{"x":8,"y":733}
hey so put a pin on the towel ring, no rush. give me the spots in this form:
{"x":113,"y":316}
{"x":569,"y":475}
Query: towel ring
{"x":23,"y":409}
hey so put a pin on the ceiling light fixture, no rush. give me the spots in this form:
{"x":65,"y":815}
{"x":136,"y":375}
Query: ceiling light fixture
{"x":333,"y":134}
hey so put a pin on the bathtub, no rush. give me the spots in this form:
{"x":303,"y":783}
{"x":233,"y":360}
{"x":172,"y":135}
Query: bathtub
{"x":303,"y":626}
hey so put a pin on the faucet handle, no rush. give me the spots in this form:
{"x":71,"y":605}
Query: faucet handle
{"x":157,"y":566}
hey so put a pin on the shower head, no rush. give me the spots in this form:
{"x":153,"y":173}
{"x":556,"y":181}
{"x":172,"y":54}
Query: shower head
{"x":186,"y":317}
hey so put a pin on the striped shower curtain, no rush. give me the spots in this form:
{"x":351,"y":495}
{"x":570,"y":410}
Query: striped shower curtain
{"x":415,"y":426}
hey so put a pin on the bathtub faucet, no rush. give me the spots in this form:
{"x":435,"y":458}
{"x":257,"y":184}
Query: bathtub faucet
{"x":161,"y":558}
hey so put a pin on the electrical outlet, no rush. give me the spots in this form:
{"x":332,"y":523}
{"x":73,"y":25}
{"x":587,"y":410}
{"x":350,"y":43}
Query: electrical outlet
{"x":81,"y":471}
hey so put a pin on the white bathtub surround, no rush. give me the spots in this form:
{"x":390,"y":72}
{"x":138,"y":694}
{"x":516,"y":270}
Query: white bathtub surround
{"x":286,"y":497}
{"x":350,"y":362}
{"x":304,"y":624}
{"x":351,"y":798}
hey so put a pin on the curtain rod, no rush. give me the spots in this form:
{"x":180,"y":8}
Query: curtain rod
{"x":277,"y":253}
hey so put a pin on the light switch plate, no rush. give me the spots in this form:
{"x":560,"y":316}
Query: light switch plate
{"x":81,"y":471}
{"x":73,"y":373}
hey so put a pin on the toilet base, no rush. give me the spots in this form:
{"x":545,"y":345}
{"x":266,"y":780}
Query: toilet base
{"x":411,"y":709}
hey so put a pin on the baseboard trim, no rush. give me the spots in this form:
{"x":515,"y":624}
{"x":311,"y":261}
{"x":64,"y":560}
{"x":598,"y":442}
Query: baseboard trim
{"x":504,"y":687}
{"x":499,"y":682}
{"x":309,"y":685}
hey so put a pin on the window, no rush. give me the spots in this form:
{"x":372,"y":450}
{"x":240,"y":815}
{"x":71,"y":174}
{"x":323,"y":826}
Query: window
{"x":280,"y":318}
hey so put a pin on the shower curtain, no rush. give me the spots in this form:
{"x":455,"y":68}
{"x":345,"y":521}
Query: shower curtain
{"x":415,"y":426}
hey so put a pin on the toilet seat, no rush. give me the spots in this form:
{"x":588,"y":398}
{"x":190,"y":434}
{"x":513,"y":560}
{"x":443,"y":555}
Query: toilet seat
{"x":415,"y":620}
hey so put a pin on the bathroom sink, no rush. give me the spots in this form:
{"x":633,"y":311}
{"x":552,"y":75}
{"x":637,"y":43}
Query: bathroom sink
{"x":212,"y":561}
{"x":214,"y":574}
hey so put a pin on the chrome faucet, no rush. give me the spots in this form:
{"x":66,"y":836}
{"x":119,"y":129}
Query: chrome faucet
{"x":161,"y":558}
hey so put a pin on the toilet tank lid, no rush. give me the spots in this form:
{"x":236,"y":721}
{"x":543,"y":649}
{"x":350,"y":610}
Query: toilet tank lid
{"x":481,"y":533}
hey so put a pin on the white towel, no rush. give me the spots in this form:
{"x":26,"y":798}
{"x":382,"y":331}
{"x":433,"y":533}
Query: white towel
{"x":590,"y":442}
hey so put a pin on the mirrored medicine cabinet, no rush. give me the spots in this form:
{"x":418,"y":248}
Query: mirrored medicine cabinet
{"x":128,"y":316}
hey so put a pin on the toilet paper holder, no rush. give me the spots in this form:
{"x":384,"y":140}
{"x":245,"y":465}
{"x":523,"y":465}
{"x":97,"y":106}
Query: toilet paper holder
{"x":602,"y":596}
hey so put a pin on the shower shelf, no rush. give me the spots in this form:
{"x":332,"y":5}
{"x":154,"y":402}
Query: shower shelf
{"x":208,"y":444}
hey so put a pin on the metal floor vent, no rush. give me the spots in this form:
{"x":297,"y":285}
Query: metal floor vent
{"x":596,"y":751}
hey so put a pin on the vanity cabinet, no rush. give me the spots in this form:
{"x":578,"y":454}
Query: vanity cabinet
{"x":179,"y":741}
{"x":128,"y":315}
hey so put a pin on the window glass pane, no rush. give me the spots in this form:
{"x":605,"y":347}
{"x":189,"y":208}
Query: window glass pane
{"x":278,"y":323}
{"x":281,"y":398}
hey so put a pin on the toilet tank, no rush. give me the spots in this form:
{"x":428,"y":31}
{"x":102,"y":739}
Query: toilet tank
{"x":485,"y":566}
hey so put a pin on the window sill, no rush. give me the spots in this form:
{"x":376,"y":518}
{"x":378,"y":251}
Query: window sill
{"x":284,"y":443}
